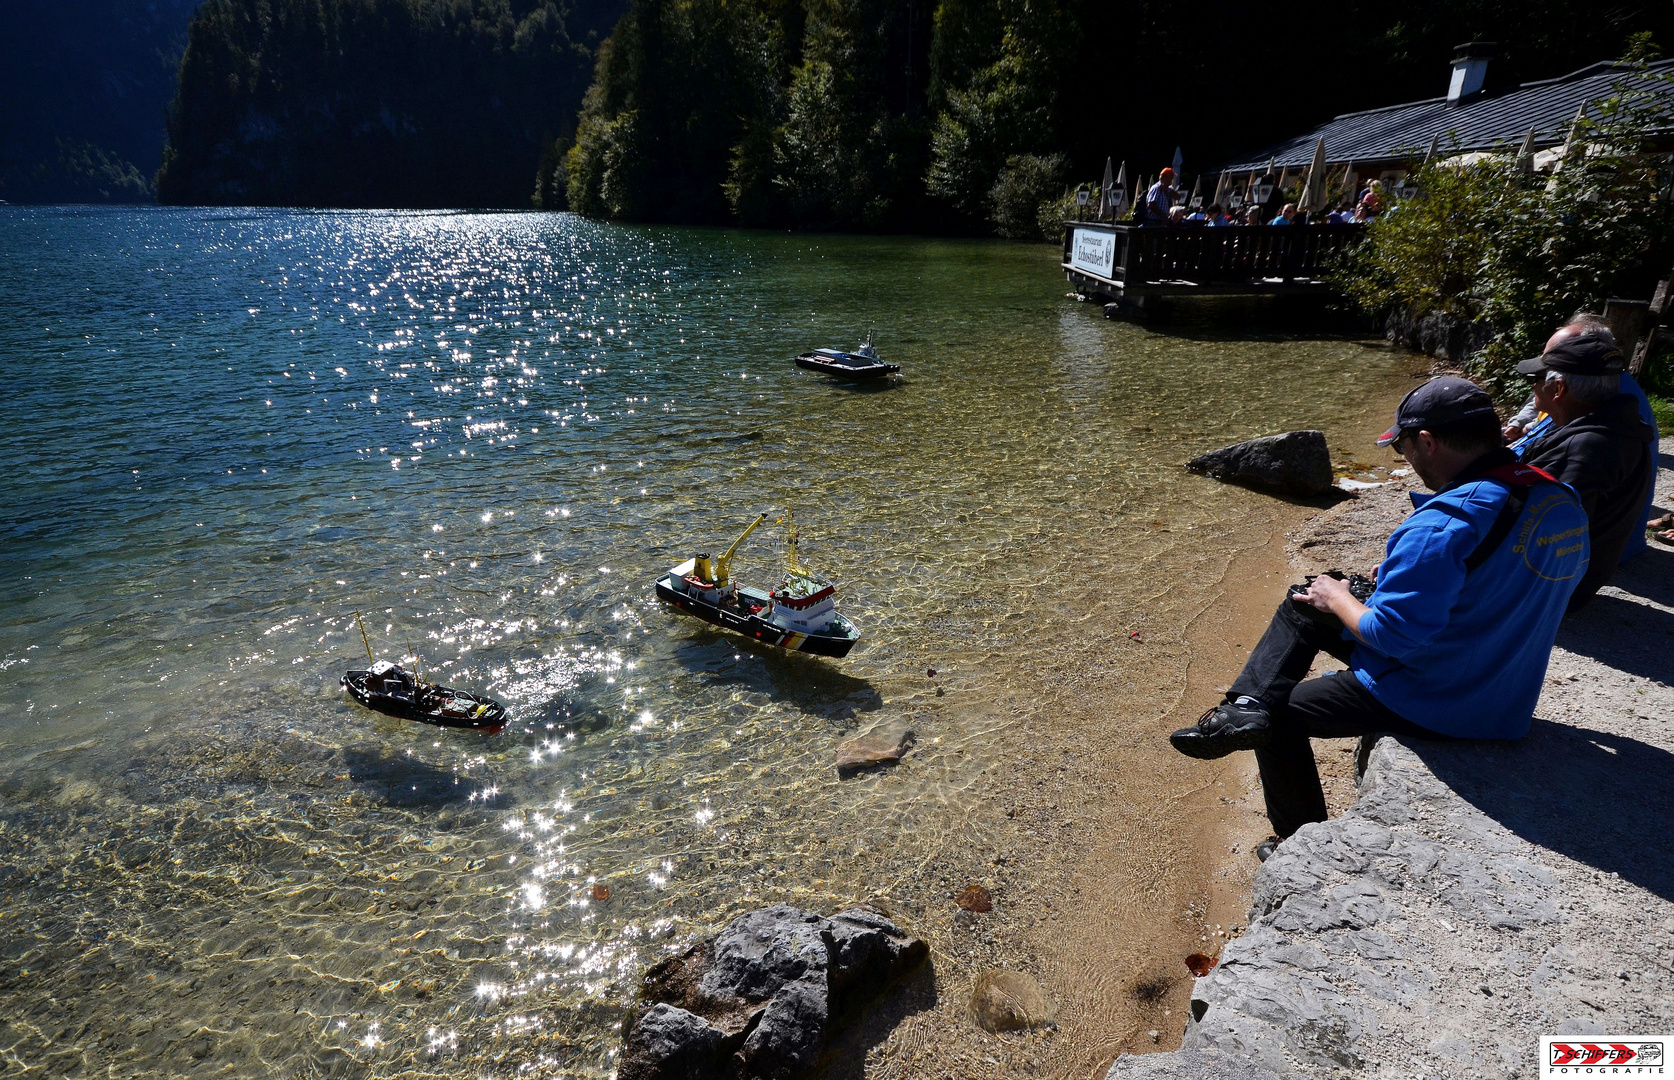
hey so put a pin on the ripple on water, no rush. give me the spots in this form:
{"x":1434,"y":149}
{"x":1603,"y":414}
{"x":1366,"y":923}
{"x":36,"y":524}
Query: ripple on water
{"x":487,"y":434}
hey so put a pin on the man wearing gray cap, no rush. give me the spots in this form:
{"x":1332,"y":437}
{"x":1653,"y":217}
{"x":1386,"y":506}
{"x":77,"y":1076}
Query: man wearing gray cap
{"x":1453,"y":640}
{"x":1598,"y":445}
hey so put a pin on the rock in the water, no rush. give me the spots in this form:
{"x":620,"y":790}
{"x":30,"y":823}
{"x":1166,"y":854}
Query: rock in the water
{"x":1295,"y":463}
{"x":1010,"y":1001}
{"x":761,"y":951}
{"x":667,"y":1043}
{"x":760,"y":1000}
{"x":880,"y":746}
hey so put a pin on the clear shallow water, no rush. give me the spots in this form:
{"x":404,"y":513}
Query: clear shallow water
{"x":488,"y":433}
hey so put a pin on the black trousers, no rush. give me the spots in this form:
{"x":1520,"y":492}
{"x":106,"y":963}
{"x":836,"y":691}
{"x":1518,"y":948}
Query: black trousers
{"x":1330,"y":707}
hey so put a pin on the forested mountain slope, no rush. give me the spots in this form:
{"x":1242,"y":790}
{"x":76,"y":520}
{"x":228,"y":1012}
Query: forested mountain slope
{"x":406,"y":103}
{"x":904,"y":114}
{"x":84,"y":86}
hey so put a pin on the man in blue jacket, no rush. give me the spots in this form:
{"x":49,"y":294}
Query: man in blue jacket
{"x":1453,"y":641}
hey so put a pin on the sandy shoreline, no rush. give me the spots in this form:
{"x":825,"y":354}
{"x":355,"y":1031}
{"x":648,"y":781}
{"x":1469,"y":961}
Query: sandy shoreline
{"x":1120,"y":857}
{"x":1474,"y":897}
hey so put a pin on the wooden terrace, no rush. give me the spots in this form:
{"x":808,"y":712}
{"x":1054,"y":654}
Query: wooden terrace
{"x":1128,"y":263}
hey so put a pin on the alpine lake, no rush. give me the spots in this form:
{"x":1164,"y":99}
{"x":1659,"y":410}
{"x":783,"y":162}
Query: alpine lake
{"x":230,"y":430}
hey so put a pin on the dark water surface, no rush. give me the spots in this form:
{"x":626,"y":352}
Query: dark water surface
{"x":228,"y":430}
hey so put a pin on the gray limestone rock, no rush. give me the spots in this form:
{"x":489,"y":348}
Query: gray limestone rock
{"x":762,"y":997}
{"x":761,"y":951}
{"x":668,"y":1043}
{"x":1295,"y":463}
{"x":1185,"y":1065}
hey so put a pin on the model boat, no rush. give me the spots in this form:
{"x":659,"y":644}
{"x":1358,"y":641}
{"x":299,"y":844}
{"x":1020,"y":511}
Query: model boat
{"x":863,"y":363}
{"x":800,"y":614}
{"x":392,"y":689}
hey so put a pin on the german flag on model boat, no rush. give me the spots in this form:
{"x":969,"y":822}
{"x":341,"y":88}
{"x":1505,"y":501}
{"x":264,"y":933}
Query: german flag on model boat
{"x":801,"y":614}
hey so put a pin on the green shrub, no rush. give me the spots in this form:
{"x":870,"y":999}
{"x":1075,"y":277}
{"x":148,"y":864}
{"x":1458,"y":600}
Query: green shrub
{"x":1519,"y":252}
{"x":1024,"y":183}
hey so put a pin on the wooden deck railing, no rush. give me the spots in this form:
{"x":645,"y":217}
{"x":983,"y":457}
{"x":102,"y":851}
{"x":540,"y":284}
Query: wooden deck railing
{"x":1180,"y":258}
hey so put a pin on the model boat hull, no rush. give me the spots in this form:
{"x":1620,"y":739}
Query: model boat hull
{"x":847,"y":366}
{"x":439,"y":706}
{"x":742,"y":620}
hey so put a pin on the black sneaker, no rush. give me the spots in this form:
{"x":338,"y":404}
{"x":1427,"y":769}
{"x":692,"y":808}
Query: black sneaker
{"x":1265,"y":849}
{"x":1242,"y":724}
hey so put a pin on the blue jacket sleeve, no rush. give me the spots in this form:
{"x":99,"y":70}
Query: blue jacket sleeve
{"x":1418,"y":584}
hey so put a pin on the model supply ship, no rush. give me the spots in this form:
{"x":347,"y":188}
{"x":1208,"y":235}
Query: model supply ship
{"x":801,"y":614}
{"x":863,"y":363}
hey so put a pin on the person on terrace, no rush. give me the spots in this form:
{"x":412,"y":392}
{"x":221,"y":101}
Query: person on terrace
{"x":1371,"y":200}
{"x":1287,"y":216}
{"x":1159,"y":200}
{"x":1452,"y":641}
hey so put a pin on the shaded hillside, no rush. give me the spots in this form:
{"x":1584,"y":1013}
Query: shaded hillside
{"x":913,"y":114}
{"x":85,"y":86}
{"x":405,"y":103}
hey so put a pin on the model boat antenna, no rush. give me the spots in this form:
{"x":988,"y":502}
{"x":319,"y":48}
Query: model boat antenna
{"x":793,"y":564}
{"x":363,"y":640}
{"x":723,"y":565}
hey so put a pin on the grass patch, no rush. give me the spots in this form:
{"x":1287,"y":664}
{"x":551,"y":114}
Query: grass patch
{"x":1663,"y":410}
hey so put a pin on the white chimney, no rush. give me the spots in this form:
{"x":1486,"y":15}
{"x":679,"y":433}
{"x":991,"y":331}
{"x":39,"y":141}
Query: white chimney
{"x":1470,"y":68}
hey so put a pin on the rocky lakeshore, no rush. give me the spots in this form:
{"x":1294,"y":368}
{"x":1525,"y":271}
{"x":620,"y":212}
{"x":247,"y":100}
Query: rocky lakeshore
{"x":1475,"y":896}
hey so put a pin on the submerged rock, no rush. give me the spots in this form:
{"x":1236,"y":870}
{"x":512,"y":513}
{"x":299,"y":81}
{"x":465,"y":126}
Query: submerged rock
{"x":1010,"y":1001}
{"x":1295,"y":463}
{"x":761,"y":998}
{"x":880,"y":746}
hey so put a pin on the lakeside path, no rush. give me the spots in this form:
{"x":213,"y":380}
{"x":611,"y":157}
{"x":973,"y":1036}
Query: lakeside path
{"x":1475,"y":896}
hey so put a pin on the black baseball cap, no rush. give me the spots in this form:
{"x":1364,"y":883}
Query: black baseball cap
{"x":1438,"y":404}
{"x":1590,"y":355}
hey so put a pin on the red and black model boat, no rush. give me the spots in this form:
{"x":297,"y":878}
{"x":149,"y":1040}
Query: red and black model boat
{"x":391,"y":689}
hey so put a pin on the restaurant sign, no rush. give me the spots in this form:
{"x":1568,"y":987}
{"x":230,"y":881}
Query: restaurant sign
{"x":1093,"y":251}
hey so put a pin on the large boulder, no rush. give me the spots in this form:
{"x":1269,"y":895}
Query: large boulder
{"x":760,"y":999}
{"x":1295,"y":463}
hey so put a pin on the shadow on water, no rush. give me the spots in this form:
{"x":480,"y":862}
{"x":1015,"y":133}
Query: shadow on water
{"x":845,"y":1055}
{"x":399,"y":780}
{"x":1249,"y":318}
{"x":1604,"y":800}
{"x":867,"y":386}
{"x":812,"y":684}
{"x":1323,"y":501}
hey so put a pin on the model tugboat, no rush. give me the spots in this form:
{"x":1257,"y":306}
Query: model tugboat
{"x":801,"y":614}
{"x":390,"y":688}
{"x":863,"y":363}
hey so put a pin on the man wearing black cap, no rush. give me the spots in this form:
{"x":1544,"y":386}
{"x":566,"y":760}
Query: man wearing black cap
{"x":1453,"y":640}
{"x":1598,"y":444}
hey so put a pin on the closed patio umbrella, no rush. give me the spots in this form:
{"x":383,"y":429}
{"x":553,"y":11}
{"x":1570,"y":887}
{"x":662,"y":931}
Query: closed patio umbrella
{"x":1569,"y":143}
{"x":1313,"y":190}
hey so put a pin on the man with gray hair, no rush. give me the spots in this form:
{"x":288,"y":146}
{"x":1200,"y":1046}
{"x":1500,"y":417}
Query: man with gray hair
{"x":1530,"y":424}
{"x":1598,"y":444}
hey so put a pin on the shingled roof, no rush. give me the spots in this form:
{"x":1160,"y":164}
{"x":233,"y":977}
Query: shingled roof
{"x":1489,"y":121}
